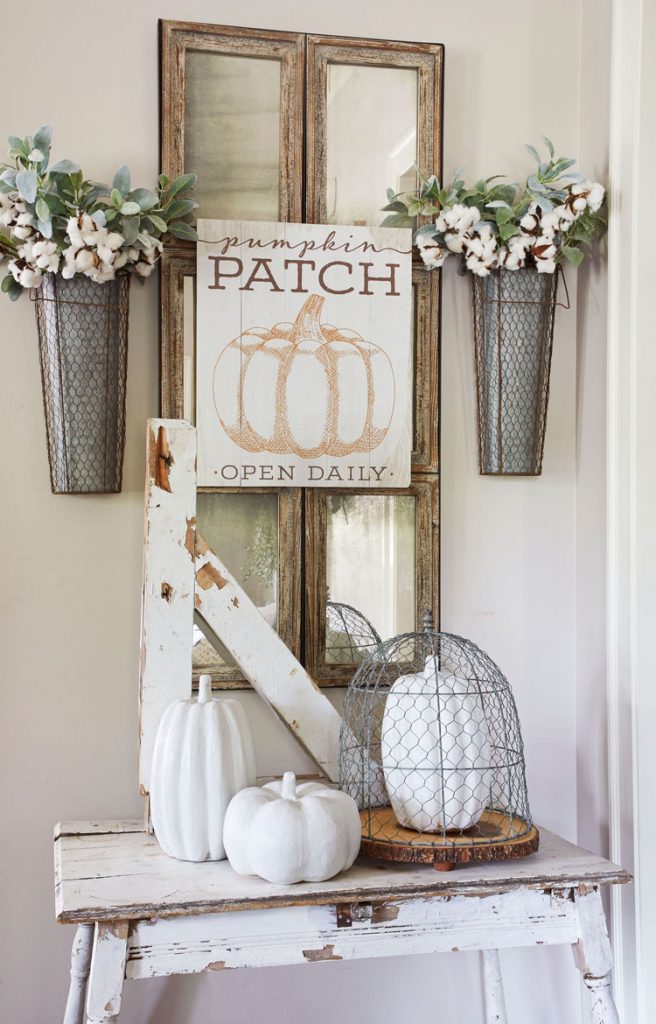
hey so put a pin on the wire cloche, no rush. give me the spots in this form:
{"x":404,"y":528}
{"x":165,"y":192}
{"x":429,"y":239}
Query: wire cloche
{"x":431,"y":750}
{"x":349,"y":634}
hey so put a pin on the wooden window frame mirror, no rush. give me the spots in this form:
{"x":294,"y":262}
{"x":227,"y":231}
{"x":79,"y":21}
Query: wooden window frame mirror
{"x":304,"y":62}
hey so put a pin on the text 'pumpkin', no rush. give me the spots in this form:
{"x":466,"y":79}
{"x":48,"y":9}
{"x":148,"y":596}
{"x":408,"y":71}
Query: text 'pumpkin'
{"x":304,"y":389}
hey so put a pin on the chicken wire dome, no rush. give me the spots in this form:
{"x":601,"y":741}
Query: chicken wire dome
{"x":349,"y":634}
{"x":431,"y":750}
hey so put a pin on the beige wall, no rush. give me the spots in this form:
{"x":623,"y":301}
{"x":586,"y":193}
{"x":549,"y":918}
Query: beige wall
{"x":513,"y":578}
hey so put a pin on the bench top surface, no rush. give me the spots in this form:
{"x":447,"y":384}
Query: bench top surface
{"x":115,"y":870}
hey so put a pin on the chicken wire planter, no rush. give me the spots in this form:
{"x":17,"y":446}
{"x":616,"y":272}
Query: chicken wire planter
{"x":83,"y":345}
{"x":431,"y":750}
{"x":513,"y":336}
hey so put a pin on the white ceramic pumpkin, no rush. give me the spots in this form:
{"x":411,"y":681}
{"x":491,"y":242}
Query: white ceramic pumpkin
{"x":287,"y":833}
{"x":435,"y":750}
{"x":305,"y":388}
{"x":203,"y":755}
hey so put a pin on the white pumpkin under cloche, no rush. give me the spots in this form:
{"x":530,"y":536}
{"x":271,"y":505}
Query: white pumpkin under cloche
{"x":288,"y":833}
{"x":436,"y":750}
{"x":203,"y":756}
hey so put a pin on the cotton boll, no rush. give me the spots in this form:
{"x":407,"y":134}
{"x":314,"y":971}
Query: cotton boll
{"x":431,"y":252}
{"x":546,"y":266}
{"x":45,"y":255}
{"x":74,"y":233}
{"x":529,"y":223}
{"x":596,"y":196}
{"x":89,"y":229}
{"x":453,"y":214}
{"x":144,"y":269}
{"x":477,"y":267}
{"x":579,"y":204}
{"x":454,"y":242}
{"x":84,"y":260}
{"x":440,"y":224}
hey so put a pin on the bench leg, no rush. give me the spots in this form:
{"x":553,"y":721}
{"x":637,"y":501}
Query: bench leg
{"x":495,"y":1003}
{"x":110,"y":948}
{"x":80,"y":963}
{"x":594,"y":958}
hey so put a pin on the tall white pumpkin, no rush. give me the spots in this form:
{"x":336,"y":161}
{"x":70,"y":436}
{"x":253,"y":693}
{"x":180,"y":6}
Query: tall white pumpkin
{"x":435,"y":750}
{"x":203,"y":756}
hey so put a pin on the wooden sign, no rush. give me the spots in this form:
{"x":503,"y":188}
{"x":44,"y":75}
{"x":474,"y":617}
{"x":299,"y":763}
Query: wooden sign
{"x":304,"y":355}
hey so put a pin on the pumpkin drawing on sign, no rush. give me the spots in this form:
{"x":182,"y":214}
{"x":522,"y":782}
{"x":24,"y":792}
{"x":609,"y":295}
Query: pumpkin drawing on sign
{"x":304,"y":389}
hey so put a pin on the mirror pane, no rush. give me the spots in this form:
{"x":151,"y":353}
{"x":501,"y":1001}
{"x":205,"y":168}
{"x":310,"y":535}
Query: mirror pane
{"x":232,"y":134}
{"x":370,"y":572}
{"x":365,"y":155}
{"x":243,"y":530}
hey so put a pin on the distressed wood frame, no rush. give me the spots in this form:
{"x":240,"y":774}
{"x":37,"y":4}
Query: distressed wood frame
{"x":426,"y":413}
{"x":179,"y":262}
{"x":289,"y":579}
{"x":179,"y":37}
{"x":425,"y":490}
{"x":427,"y":58}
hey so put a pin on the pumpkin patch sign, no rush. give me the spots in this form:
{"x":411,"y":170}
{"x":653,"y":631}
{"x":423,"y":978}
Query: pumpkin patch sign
{"x":303,"y":355}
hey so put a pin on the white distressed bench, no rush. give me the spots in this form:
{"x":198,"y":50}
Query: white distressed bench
{"x":141,"y":914}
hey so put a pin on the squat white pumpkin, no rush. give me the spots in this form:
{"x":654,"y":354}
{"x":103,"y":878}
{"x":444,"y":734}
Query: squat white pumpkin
{"x":287,"y":833}
{"x":203,"y":756}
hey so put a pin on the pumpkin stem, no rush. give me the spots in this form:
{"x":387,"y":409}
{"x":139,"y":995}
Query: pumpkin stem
{"x":307,"y":323}
{"x":204,"y":689}
{"x":288,"y":789}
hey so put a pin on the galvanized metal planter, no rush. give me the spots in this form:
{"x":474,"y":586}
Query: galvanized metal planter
{"x":513,"y":336}
{"x":83,"y":344}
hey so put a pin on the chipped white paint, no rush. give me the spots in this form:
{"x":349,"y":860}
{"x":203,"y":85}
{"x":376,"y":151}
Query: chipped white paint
{"x":296,"y":935}
{"x":107,"y":972}
{"x":495,"y":1002}
{"x":593,"y":956}
{"x":100,"y":877}
{"x":80,"y":964}
{"x":168,"y":580}
{"x":157,"y":916}
{"x":267,"y":663}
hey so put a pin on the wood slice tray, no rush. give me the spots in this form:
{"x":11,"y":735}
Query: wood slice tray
{"x":490,"y":839}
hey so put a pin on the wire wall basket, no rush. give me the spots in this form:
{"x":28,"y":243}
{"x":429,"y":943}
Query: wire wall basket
{"x":83,"y":345}
{"x":431,"y":750}
{"x":513,"y":338}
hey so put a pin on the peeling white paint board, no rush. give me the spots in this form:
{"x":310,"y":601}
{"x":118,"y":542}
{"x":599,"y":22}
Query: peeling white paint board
{"x":267,"y":663}
{"x":104,"y":876}
{"x":168,"y":578}
{"x":296,"y":935}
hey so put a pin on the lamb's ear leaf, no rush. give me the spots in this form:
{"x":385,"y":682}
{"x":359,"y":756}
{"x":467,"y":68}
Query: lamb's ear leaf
{"x":182,"y":230}
{"x":550,"y":146}
{"x":11,"y":287}
{"x":64,"y":167}
{"x":43,"y":137}
{"x":121,"y":180}
{"x":575,"y":256}
{"x":26,"y":184}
